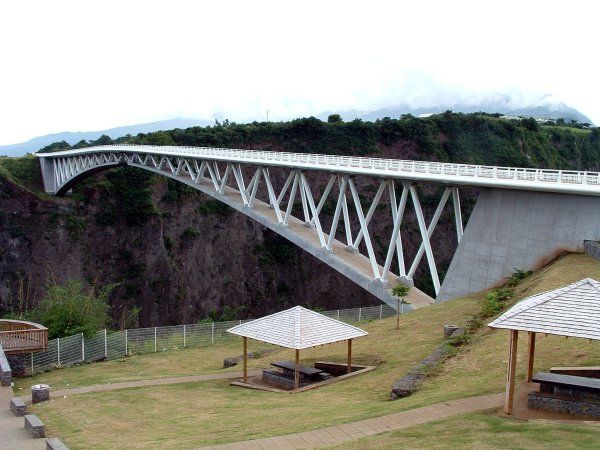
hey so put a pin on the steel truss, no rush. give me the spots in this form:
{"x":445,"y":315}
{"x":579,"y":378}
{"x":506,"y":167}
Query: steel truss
{"x":341,"y":188}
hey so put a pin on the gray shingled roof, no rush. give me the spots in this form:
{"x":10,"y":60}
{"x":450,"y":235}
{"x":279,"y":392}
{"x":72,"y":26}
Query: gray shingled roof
{"x":297,"y":328}
{"x":573,"y":310}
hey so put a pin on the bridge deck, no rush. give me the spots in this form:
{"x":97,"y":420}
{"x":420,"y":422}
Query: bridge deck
{"x":530,"y":179}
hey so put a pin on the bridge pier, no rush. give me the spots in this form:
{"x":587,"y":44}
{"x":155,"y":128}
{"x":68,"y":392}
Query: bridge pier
{"x":512,"y":229}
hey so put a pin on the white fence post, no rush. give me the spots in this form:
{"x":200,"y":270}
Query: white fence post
{"x":359,"y":313}
{"x":380,"y":311}
{"x":184,"y":336}
{"x":338,"y":314}
{"x":82,"y":348}
{"x":58,"y":350}
{"x":154,"y":339}
{"x":212,"y":333}
{"x":105,"y":344}
{"x":126,"y":349}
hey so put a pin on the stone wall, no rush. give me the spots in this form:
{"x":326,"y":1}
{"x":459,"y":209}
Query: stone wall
{"x":18,"y":364}
{"x":573,"y":407}
{"x":5,"y":370}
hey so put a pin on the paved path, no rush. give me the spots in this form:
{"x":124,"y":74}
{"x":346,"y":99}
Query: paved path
{"x":12,"y":431}
{"x":338,"y":434}
{"x":143,"y":383}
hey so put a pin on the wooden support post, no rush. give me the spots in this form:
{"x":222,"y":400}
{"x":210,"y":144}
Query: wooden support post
{"x":349,"y":355}
{"x":245,"y":359}
{"x":510,"y":376}
{"x":297,"y":371}
{"x":530,"y":355}
{"x":398,"y":315}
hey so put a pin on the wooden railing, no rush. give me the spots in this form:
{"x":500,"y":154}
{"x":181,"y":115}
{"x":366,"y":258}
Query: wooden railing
{"x":18,"y":336}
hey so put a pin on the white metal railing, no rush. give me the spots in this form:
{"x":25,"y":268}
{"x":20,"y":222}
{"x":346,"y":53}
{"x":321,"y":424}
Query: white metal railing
{"x":384,"y":167}
{"x":76,"y":349}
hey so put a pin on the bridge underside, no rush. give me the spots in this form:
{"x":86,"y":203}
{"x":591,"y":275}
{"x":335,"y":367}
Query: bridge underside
{"x":351,"y":264}
{"x":511,"y":229}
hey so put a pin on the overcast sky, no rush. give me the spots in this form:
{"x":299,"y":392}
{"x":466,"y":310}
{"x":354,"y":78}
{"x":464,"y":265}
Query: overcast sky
{"x":90,"y":65}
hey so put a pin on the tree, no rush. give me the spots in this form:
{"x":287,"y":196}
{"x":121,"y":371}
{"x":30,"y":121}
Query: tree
{"x":400,"y":292}
{"x":334,"y":118}
{"x":71,"y":309}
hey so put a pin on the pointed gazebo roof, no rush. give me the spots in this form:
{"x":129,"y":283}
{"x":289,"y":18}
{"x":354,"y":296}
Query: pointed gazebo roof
{"x":297,"y":328}
{"x":573,"y":310}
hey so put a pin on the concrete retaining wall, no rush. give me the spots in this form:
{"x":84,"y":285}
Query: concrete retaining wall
{"x":5,"y":372}
{"x":592,"y":248}
{"x":518,"y":229}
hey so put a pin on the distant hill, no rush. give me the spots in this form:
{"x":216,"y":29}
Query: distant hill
{"x":36,"y":143}
{"x":542,"y":111}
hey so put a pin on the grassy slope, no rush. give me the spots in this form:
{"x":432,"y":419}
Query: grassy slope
{"x":196,"y":414}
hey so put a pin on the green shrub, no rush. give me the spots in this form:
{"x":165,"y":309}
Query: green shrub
{"x":71,"y":309}
{"x":495,"y":301}
{"x":518,"y":276}
{"x":75,"y":227}
{"x":190,"y":233}
{"x":214,"y":208}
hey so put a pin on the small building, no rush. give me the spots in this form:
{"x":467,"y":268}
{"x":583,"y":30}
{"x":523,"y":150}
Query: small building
{"x":296,"y":328}
{"x":570,"y":311}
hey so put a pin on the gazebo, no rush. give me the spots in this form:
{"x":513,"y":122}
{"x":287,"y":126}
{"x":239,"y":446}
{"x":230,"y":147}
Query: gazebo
{"x":572,"y":311}
{"x":296,"y":328}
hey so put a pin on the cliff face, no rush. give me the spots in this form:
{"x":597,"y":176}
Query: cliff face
{"x":189,"y":258}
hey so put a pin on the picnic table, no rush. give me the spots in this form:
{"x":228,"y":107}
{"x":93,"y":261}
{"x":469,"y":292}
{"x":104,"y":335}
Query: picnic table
{"x":289,"y":368}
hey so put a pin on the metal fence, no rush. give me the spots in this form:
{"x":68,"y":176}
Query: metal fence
{"x":76,"y":349}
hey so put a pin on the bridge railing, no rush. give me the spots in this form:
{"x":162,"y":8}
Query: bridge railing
{"x":379,"y":164}
{"x":17,"y":336}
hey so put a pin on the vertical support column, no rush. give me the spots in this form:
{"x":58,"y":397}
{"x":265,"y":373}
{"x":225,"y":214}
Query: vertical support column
{"x":457,"y":214}
{"x":154,"y":339}
{"x":425,"y":237}
{"x":510,"y":376}
{"x":212,"y":333}
{"x":126,"y":343}
{"x":349,"y":355}
{"x":297,"y":371}
{"x":105,"y":344}
{"x":530,"y":355}
{"x":58,"y":350}
{"x":82,"y":348}
{"x":184,"y":336}
{"x":245,"y":339}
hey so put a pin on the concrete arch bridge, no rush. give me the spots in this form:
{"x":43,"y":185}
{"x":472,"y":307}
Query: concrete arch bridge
{"x":521,"y":216}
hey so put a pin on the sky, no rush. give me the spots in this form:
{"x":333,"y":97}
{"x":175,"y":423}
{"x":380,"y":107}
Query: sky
{"x":91,"y":65}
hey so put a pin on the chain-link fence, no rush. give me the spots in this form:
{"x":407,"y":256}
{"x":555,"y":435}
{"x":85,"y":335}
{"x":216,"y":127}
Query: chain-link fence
{"x":113,"y":345}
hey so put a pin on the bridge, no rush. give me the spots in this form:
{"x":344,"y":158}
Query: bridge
{"x":513,"y":224}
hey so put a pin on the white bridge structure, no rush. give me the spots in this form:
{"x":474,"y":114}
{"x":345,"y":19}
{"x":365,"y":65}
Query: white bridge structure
{"x":240,"y":177}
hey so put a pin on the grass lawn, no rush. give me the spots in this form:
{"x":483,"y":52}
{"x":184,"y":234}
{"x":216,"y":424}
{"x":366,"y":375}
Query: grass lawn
{"x":485,"y":431}
{"x":171,"y":363}
{"x":195,"y":414}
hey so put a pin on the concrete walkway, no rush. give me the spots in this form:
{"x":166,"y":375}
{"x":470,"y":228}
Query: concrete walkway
{"x":12,"y":429}
{"x":144,"y":383}
{"x":338,"y":434}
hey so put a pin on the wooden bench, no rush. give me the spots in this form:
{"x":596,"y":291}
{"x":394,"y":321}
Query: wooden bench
{"x":17,"y":407}
{"x":34,"y":426}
